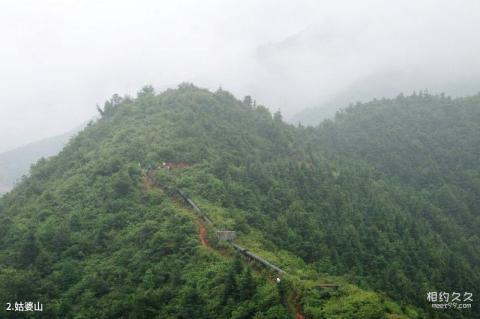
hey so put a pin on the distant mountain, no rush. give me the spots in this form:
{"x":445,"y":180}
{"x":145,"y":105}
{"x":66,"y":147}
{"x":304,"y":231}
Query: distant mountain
{"x":386,"y":84}
{"x":366,"y":213}
{"x":16,"y":163}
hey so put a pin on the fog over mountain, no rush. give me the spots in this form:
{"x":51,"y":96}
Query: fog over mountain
{"x":17,"y":162}
{"x":388,"y":84}
{"x":70,"y":55}
{"x":333,"y":64}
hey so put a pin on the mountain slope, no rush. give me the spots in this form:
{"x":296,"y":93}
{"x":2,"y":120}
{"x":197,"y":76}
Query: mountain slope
{"x":429,"y":146}
{"x":97,"y":231}
{"x":430,"y":143}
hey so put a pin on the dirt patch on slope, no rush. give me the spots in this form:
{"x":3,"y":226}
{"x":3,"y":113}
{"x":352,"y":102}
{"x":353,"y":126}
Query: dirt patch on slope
{"x":202,"y":234}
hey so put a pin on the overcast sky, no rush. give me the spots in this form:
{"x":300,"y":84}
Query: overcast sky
{"x":58,"y":59}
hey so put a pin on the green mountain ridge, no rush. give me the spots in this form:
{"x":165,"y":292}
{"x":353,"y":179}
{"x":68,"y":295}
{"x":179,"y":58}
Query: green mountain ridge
{"x":89,"y":237}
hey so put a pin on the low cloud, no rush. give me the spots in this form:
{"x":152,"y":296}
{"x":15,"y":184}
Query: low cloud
{"x":60,"y":58}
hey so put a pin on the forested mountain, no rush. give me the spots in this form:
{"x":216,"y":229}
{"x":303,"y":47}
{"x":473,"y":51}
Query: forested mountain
{"x":382,"y":201}
{"x":428,"y":146}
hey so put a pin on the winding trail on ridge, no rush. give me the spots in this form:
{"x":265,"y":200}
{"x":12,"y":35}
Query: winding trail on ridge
{"x":148,"y":184}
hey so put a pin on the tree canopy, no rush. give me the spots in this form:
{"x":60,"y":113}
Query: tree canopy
{"x":384,"y":199}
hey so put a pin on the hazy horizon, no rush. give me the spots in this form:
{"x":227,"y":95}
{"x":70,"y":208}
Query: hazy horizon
{"x":61,"y":58}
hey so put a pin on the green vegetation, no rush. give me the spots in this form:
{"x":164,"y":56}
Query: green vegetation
{"x":427,"y":147}
{"x":90,"y":236}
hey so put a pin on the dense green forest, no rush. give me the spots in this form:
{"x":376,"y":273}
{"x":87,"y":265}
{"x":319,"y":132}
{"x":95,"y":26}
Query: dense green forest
{"x":382,"y":201}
